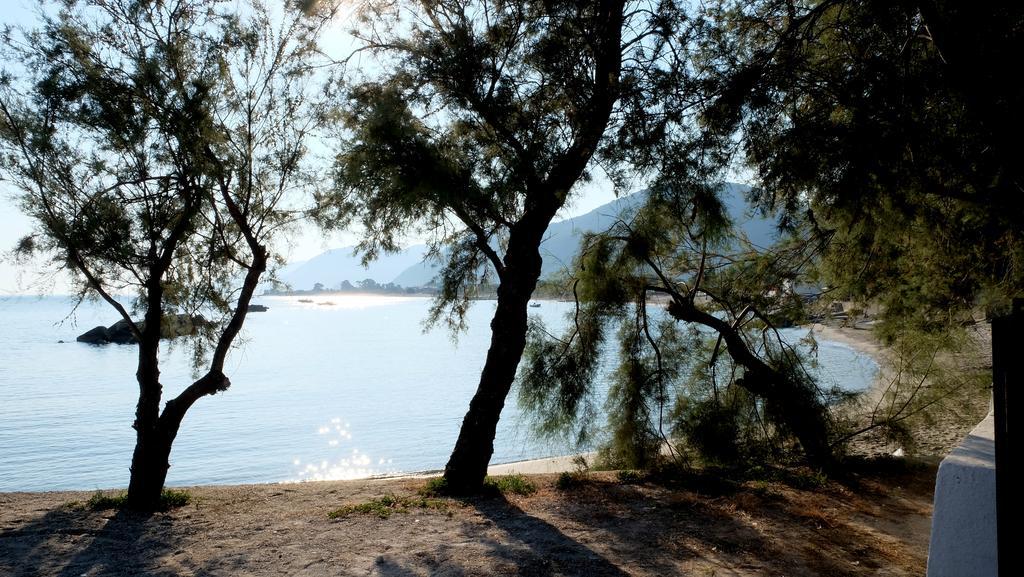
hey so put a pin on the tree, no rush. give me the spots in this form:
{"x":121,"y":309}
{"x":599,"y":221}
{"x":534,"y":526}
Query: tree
{"x":490,"y":115}
{"x":157,"y":146}
{"x":702,"y":365}
{"x":889,"y":129}
{"x":368,"y":284}
{"x":893,"y":126}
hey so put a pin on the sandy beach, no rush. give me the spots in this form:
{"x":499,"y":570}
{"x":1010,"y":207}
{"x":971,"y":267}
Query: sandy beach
{"x":873,"y":521}
{"x":869,"y":523}
{"x":958,"y":414}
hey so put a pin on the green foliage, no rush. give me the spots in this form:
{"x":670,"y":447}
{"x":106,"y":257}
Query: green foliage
{"x":708,"y":374}
{"x":715,"y":429}
{"x":796,"y":477}
{"x":510,"y":484}
{"x":570,"y":480}
{"x":435,"y":487}
{"x":173,"y":498}
{"x":386,"y":506}
{"x":488,"y":115}
{"x":497,"y":485}
{"x":892,"y":125}
{"x":100,"y":501}
{"x":571,"y":366}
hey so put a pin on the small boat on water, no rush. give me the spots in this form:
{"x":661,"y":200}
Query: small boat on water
{"x":534,"y":305}
{"x":305,"y":300}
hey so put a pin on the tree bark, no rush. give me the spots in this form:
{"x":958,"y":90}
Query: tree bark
{"x":150,"y":463}
{"x":150,"y":458}
{"x":467,"y":465}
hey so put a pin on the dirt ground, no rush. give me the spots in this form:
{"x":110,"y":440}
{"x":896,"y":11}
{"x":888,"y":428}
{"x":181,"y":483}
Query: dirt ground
{"x":875,"y":522}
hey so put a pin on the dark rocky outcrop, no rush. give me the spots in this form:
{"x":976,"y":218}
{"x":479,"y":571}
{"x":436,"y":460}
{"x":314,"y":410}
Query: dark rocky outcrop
{"x":96,"y":336}
{"x":257,"y":308}
{"x":120,"y":333}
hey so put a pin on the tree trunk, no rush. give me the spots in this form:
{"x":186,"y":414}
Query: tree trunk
{"x":467,"y":465}
{"x":150,"y":458}
{"x":150,"y":463}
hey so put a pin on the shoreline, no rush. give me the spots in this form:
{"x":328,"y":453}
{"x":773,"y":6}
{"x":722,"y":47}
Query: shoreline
{"x":860,"y":340}
{"x":539,"y":466}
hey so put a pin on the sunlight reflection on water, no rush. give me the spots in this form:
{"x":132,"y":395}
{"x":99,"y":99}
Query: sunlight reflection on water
{"x":355,"y":465}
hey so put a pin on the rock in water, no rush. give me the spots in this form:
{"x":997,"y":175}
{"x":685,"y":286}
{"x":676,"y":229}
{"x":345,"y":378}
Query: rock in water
{"x":121,"y":333}
{"x":257,"y":308}
{"x":173,"y":326}
{"x":96,"y":336}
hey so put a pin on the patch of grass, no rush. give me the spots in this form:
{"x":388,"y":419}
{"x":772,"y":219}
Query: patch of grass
{"x":796,"y":477}
{"x":386,"y":506}
{"x":498,"y":485}
{"x":435,"y":487}
{"x":173,"y":498}
{"x":630,"y":476}
{"x":567,"y":481}
{"x":505,"y":484}
{"x":100,"y":501}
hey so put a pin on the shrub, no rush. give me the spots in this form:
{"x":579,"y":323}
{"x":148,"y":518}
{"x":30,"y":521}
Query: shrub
{"x":384,"y":507}
{"x":100,"y":501}
{"x":435,"y":487}
{"x":630,"y":476}
{"x":568,"y":481}
{"x":505,"y":484}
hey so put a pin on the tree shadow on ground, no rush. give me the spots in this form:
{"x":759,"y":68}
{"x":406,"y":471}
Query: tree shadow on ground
{"x":70,"y":543}
{"x":513,"y":542}
{"x":665,"y":527}
{"x":606,"y":523}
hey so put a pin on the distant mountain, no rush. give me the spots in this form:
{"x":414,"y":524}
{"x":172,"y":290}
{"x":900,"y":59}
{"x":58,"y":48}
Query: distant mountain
{"x":419,"y":274}
{"x":341,"y":264}
{"x":561,"y":243}
{"x":562,"y":240}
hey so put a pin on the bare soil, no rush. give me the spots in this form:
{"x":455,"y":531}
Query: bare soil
{"x":875,"y":522}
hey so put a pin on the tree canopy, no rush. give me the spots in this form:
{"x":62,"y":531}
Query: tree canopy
{"x":880,"y":132}
{"x":893,"y":128}
{"x":157,"y":147}
{"x":486,"y":117}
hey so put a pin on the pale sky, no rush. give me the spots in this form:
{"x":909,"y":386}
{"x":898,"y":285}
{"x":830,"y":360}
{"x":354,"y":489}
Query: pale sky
{"x":309,"y":243}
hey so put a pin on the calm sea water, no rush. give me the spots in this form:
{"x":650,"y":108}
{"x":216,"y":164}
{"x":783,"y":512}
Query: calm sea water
{"x":347,"y":390}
